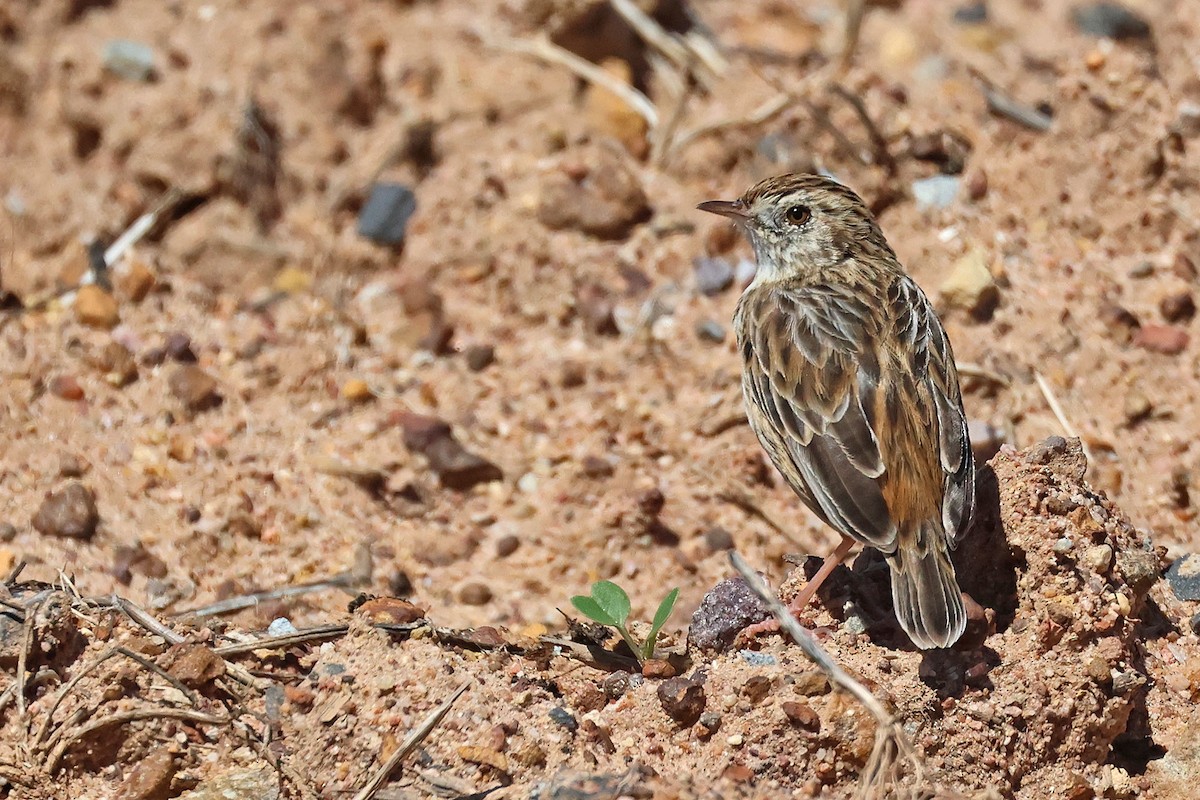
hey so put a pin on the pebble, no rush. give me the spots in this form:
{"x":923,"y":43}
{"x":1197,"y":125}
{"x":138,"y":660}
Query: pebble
{"x":356,"y":390}
{"x":811,"y":683}
{"x":563,"y":718}
{"x":854,"y":624}
{"x":507,"y":545}
{"x":593,"y":190}
{"x":1063,"y":546}
{"x":136,"y":559}
{"x":70,"y":512}
{"x":196,"y":665}
{"x":1165,"y":339}
{"x":281,"y":626}
{"x":597,"y":467}
{"x":971,"y":13}
{"x":939,"y":191}
{"x":132,"y":61}
{"x":1137,"y":407}
{"x":65,"y":387}
{"x":717,"y":539}
{"x":479,"y":357}
{"x":971,"y":287}
{"x":682,"y":699}
{"x":1179,"y":307}
{"x":597,"y":310}
{"x":708,"y":330}
{"x":474,"y":594}
{"x":713,"y":275}
{"x":616,"y":684}
{"x":456,"y":467}
{"x":1140,"y":568}
{"x":1110,"y":21}
{"x":8,"y":532}
{"x":977,"y":184}
{"x":151,"y":778}
{"x":657,"y":668}
{"x":117,"y":363}
{"x":178,"y":347}
{"x":384,"y":217}
{"x":96,"y":308}
{"x":1183,"y":576}
{"x":135,"y":280}
{"x":756,"y":659}
{"x":194,"y":387}
{"x":709,"y":723}
{"x":802,"y":716}
{"x":726,"y":609}
{"x":1098,"y":558}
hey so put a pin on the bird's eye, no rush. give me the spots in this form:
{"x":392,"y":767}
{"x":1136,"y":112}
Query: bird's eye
{"x":798,"y":215}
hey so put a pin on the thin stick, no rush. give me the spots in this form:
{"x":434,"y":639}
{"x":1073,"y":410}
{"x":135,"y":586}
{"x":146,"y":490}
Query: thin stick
{"x":1059,"y":414}
{"x":143,"y":618}
{"x":160,"y":672}
{"x":140,"y":227}
{"x":972,"y":370}
{"x":653,"y":34}
{"x":1000,"y":103}
{"x":323,"y":633}
{"x":15,"y":573}
{"x":239,"y":602}
{"x":890,"y":741}
{"x":410,"y":742}
{"x":185,"y":714}
{"x":551,"y":53}
{"x":854,"y":18}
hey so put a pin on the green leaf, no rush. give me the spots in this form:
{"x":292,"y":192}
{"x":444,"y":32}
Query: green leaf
{"x":660,"y":618}
{"x":592,"y":610}
{"x":613,"y":600}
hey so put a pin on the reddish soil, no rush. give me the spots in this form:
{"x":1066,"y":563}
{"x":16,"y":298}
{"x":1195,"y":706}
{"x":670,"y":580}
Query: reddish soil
{"x":255,"y":403}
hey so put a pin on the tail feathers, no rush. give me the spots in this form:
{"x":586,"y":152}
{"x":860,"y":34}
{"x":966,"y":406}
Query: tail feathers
{"x":925,"y":592}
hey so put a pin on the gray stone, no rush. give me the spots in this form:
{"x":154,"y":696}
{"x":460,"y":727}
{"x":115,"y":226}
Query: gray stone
{"x":1183,"y":576}
{"x":384,"y":217}
{"x":133,"y":61}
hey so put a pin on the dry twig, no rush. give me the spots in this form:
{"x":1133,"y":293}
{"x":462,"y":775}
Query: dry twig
{"x":1059,"y":414}
{"x":164,"y":712}
{"x":892,"y":749}
{"x":1000,"y":103}
{"x":410,"y":742}
{"x":320,"y":634}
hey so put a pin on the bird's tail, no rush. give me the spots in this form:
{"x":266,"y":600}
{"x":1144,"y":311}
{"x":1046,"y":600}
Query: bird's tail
{"x":925,"y":591}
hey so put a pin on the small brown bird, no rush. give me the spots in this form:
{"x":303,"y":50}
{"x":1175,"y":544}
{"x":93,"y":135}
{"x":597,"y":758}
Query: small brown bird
{"x":851,"y":387}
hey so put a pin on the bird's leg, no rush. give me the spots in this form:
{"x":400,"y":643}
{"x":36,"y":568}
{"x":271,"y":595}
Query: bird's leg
{"x":770,"y":625}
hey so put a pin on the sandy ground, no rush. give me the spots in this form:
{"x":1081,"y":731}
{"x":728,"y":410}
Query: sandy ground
{"x":259,"y":400}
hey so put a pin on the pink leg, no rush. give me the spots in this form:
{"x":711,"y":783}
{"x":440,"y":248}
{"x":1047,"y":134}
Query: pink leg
{"x":801,"y":600}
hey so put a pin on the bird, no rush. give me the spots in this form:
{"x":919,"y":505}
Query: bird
{"x":851,"y":387}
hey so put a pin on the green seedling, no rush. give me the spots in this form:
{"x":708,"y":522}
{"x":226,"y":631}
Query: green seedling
{"x":609,"y":605}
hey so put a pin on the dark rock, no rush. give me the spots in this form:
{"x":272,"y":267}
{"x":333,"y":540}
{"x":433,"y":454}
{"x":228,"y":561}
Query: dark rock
{"x":563,"y":718}
{"x":507,"y":545}
{"x":1110,"y":21}
{"x":1183,"y":576}
{"x":1179,"y":307}
{"x":1063,"y":456}
{"x":717,"y":539}
{"x":1194,"y":623}
{"x":178,"y":347}
{"x":708,"y":330}
{"x":480,"y":356}
{"x":971,"y":13}
{"x":683,"y":700}
{"x":709,"y":723}
{"x":474,"y":594}
{"x":384,"y":217}
{"x":597,"y":467}
{"x":713,"y":275}
{"x":946,"y":149}
{"x":756,"y":688}
{"x":1140,"y":569}
{"x":71,"y":466}
{"x":595,"y":307}
{"x":128,"y":560}
{"x":195,"y":388}
{"x":616,"y":684}
{"x":421,"y":431}
{"x":727,"y":608}
{"x":70,"y":512}
{"x":458,"y":468}
{"x":8,"y":531}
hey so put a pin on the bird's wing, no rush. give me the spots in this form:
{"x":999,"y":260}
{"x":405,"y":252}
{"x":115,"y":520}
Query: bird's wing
{"x":934,"y":365}
{"x":811,"y":369}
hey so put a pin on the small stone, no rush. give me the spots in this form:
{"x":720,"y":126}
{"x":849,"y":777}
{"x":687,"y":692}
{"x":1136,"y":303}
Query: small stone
{"x":1127,"y":682}
{"x":573,"y":375}
{"x":657,"y":668}
{"x":151,"y":778}
{"x":292,"y":280}
{"x":597,"y":467}
{"x":281,"y":626}
{"x":718,"y":540}
{"x":1137,"y":407}
{"x":593,"y":190}
{"x":136,"y":559}
{"x":196,"y":665}
{"x":756,"y":688}
{"x":1062,"y":546}
{"x":178,"y":347}
{"x":709,"y":723}
{"x":479,"y":357}
{"x":971,"y":287}
{"x":944,"y":148}
{"x":70,"y":512}
{"x":726,"y":609}
{"x":597,"y":310}
{"x":96,"y":308}
{"x":1140,"y":270}
{"x":1119,"y":322}
{"x":1098,"y":669}
{"x":854,"y":624}
{"x":708,"y":330}
{"x":135,"y":280}
{"x":65,"y":387}
{"x":1194,"y":623}
{"x":8,"y":532}
{"x":811,"y":683}
{"x":937,"y":192}
{"x":683,"y":700}
{"x":486,"y":756}
{"x":1140,"y":569}
{"x":563,"y":718}
{"x":1098,"y":558}
{"x":616,"y":684}
{"x":802,"y":716}
{"x":757,"y":659}
{"x":474,"y":594}
{"x":507,"y":545}
{"x":977,"y":184}
{"x":384,"y":217}
{"x":132,"y":61}
{"x":1183,"y":576}
{"x":1179,"y":307}
{"x":974,"y":13}
{"x":390,"y":611}
{"x":458,"y":468}
{"x":118,"y":364}
{"x":356,"y":390}
{"x":1110,"y":21}
{"x":713,"y":275}
{"x":195,"y":388}
{"x":1166,"y":339}
{"x":608,"y":114}
{"x":1187,"y":120}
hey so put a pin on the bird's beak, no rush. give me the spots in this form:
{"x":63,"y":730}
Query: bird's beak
{"x":726,"y":208}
